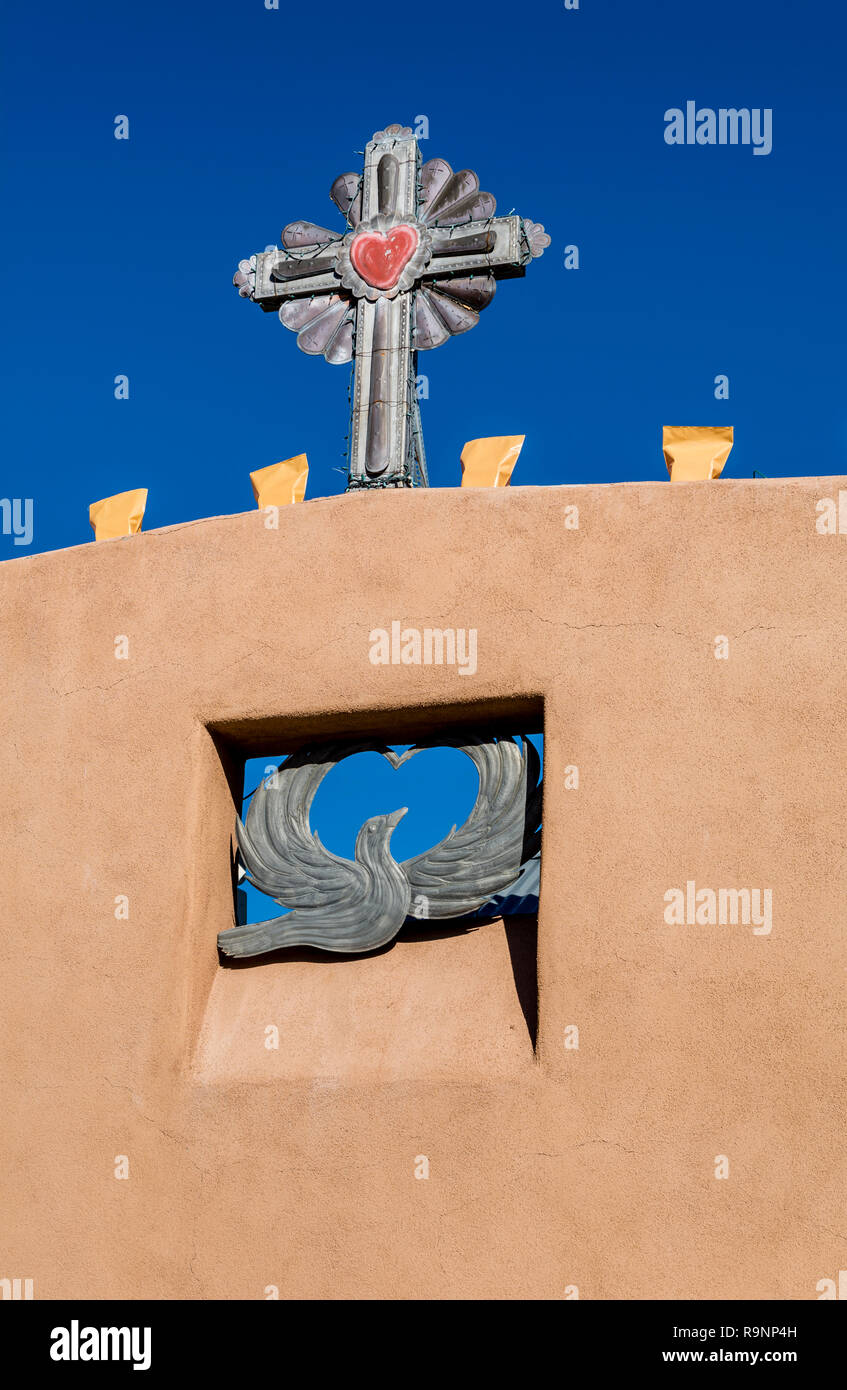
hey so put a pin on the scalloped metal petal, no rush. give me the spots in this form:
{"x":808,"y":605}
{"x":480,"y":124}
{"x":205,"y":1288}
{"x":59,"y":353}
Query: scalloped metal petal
{"x":244,"y":278}
{"x":457,"y":194}
{"x":340,"y":348}
{"x":430,"y":329}
{"x":434,"y":176}
{"x":537,"y":239}
{"x":307,"y":234}
{"x":392,"y":132}
{"x":457,"y":317}
{"x":299,"y":313}
{"x":318,"y":336}
{"x":474,"y":209}
{"x":346,"y":193}
{"x":475,"y":291}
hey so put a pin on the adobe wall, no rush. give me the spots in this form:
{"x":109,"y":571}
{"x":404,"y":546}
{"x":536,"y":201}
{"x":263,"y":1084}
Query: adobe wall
{"x":592,"y":1166}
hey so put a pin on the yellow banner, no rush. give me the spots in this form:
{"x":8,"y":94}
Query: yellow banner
{"x":695,"y":452}
{"x":120,"y":515}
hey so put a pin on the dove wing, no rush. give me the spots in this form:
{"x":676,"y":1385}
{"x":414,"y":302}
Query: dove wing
{"x":282,"y":855}
{"x":338,"y":904}
{"x":485,"y":854}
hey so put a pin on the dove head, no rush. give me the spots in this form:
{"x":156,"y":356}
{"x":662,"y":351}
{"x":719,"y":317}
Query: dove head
{"x":372,"y":840}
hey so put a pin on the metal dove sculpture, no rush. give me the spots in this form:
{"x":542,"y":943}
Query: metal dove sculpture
{"x":350,"y":906}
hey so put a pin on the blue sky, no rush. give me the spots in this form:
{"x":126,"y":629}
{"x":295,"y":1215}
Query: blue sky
{"x":694,"y":261}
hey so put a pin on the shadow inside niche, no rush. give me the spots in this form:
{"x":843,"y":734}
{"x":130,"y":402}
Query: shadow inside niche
{"x":521,"y":939}
{"x":440,"y":932}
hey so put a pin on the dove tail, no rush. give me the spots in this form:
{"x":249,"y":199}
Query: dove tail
{"x":291,"y":930}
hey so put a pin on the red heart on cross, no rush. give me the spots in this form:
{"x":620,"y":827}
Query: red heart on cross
{"x":381,"y":257}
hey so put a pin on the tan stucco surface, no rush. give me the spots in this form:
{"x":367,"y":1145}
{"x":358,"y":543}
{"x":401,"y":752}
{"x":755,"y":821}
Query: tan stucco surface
{"x":591,"y":1167}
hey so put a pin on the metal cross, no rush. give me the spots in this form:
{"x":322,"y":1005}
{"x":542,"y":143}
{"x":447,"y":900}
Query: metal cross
{"x":420,"y":259}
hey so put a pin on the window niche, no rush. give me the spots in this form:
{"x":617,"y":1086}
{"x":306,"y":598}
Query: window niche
{"x":444,"y":990}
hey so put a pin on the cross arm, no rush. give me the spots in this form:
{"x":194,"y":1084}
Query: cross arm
{"x":496,"y":244}
{"x":283,"y":274}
